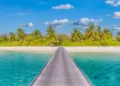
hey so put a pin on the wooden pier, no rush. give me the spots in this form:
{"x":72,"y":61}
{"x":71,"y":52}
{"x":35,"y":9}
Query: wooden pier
{"x":61,"y":71}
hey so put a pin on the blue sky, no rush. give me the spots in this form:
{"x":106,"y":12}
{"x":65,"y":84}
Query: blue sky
{"x":63,"y":14}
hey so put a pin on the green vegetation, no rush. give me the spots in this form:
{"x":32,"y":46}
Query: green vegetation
{"x":93,"y":36}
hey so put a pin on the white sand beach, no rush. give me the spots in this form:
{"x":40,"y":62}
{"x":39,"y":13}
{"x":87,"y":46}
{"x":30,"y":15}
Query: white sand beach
{"x":69,"y":49}
{"x":30,"y":49}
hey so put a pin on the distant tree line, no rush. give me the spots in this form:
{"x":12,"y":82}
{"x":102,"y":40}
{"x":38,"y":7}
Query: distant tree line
{"x":93,"y":36}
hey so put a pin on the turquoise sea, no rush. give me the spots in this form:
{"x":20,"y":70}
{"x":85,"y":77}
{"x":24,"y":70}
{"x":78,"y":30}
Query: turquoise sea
{"x":19,"y":68}
{"x":102,"y":69}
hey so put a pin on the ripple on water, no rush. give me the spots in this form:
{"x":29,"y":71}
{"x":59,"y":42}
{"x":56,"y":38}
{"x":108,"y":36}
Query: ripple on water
{"x":19,"y":68}
{"x":102,"y":69}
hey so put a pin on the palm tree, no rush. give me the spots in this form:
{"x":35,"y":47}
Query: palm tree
{"x":118,"y":36}
{"x":91,"y":33}
{"x":99,"y":33}
{"x":98,"y":29}
{"x":20,"y":34}
{"x":12,"y":36}
{"x":107,"y":33}
{"x":76,"y":35}
{"x":51,"y":35}
{"x":37,"y":34}
{"x":3,"y":38}
{"x":118,"y":33}
{"x":62,"y":38}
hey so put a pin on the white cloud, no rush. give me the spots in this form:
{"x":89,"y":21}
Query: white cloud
{"x":30,"y":24}
{"x":113,"y":2}
{"x":20,"y":13}
{"x":116,"y":14}
{"x":57,"y":22}
{"x":63,"y":6}
{"x":84,"y":22}
{"x":116,"y":27}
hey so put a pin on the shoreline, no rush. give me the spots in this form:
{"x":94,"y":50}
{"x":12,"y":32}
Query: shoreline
{"x":46,"y":49}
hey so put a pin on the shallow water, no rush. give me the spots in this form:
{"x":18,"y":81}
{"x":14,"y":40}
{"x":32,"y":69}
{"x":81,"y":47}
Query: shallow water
{"x":102,"y":69}
{"x":20,"y":69}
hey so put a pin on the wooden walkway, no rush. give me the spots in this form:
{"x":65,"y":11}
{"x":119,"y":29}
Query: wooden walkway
{"x":61,"y":71}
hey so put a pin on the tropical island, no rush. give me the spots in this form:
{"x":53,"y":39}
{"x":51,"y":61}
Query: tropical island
{"x":92,"y":36}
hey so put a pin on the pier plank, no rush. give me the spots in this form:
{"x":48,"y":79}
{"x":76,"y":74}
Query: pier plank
{"x":61,"y":71}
